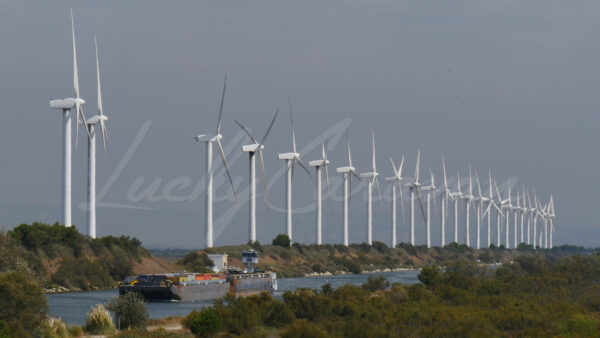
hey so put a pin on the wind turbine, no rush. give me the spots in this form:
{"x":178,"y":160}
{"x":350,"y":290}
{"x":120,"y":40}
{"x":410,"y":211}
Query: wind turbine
{"x":447,"y":195}
{"x":209,"y":139}
{"x":372,"y":176}
{"x":347,"y":172}
{"x":504,"y":204}
{"x":291,"y":159}
{"x":481,"y":199}
{"x":488,"y":211}
{"x":318,"y":164}
{"x":415,"y":187}
{"x":396,"y":180}
{"x":552,"y":217}
{"x":430,"y":190}
{"x":456,"y":196}
{"x":66,"y":105}
{"x":91,"y":125}
{"x":252,"y":149}
{"x":516,"y":210}
{"x":468,"y":199}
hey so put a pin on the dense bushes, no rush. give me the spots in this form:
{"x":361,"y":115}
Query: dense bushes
{"x":282,"y":240}
{"x":82,"y":262}
{"x":22,"y":303}
{"x":535,"y":296}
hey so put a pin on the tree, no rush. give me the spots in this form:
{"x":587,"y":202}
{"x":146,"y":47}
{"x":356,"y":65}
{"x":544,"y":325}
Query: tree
{"x":206,"y":323}
{"x":22,"y":303}
{"x":375,"y":283}
{"x":129,"y":310}
{"x":197,"y":262}
{"x":282,"y":240}
{"x":430,"y":275}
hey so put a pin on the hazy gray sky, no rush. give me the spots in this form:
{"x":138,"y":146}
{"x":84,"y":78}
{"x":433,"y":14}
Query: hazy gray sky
{"x":506,"y":85}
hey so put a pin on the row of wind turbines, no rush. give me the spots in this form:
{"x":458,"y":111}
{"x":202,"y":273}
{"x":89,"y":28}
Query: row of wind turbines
{"x":485,"y":205}
{"x":521,"y":207}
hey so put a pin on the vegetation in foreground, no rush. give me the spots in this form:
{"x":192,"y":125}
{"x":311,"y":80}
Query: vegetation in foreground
{"x":534,"y":296}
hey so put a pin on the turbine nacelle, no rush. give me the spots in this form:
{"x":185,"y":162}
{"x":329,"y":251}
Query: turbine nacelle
{"x":252,"y":148}
{"x":96,"y":119}
{"x":369,"y":175}
{"x":345,"y":170}
{"x":289,"y":156}
{"x":66,"y":103}
{"x":318,"y":163}
{"x":208,"y":137}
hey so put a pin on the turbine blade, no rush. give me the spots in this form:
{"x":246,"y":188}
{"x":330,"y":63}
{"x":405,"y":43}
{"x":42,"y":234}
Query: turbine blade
{"x":478,"y":184}
{"x":304,"y":167}
{"x":374,"y":162}
{"x":356,"y":175}
{"x":327,"y":179}
{"x":264,"y":139}
{"x":444,"y":169}
{"x":349,"y":153}
{"x":75,"y":73}
{"x":246,"y":131}
{"x":394,"y":166}
{"x":221,"y":106}
{"x":417,"y":167}
{"x":421,"y":204}
{"x":98,"y":77}
{"x":400,"y":169}
{"x":104,"y":137}
{"x":402,"y":202}
{"x":224,"y":160}
{"x":378,"y":189}
{"x":262,"y":168}
{"x":292,"y":121}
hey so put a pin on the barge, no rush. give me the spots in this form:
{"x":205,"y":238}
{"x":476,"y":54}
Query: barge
{"x":203,"y":286}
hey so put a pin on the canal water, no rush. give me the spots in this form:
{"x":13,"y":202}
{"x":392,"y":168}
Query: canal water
{"x":73,"y":306}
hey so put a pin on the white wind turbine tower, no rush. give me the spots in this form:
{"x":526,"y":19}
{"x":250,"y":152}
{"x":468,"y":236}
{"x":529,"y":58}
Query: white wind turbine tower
{"x":505,"y":204}
{"x":372,"y":176}
{"x":481,"y":199}
{"x":488,"y":211}
{"x":347,"y":172}
{"x":456,"y":196}
{"x":91,"y":124}
{"x":515,"y":209}
{"x":523,"y":211}
{"x":447,"y":195}
{"x":415,"y":187}
{"x":319,"y":164}
{"x":529,"y":209}
{"x":396,"y":179}
{"x":552,"y":217}
{"x":66,"y":106}
{"x":430,"y":191}
{"x":209,"y":139}
{"x":252,"y":149}
{"x":291,"y":159}
{"x":468,"y":199}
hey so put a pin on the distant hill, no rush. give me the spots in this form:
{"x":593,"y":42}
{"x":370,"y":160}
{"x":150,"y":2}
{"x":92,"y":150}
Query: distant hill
{"x":62,"y":257}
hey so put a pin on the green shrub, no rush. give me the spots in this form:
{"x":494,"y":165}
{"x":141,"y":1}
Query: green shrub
{"x":206,"y":323}
{"x":99,"y":321}
{"x":22,"y":303}
{"x":56,"y":327}
{"x":282,"y":240}
{"x":4,"y":331}
{"x":376,"y":283}
{"x":302,"y":328}
{"x":129,"y":310}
